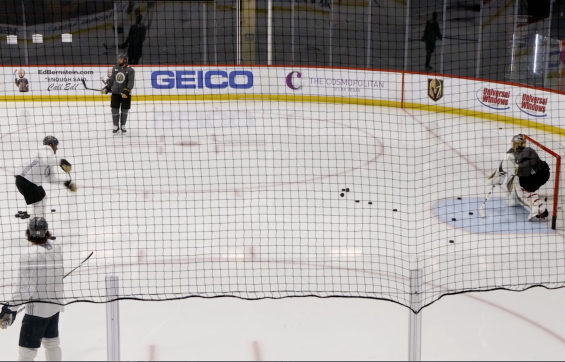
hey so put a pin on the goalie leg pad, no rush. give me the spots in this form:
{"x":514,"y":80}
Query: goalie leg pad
{"x":531,"y":201}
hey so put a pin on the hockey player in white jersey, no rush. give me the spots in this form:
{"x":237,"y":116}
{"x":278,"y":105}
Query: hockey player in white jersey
{"x":40,"y":278}
{"x":522,"y":173}
{"x":42,"y":168}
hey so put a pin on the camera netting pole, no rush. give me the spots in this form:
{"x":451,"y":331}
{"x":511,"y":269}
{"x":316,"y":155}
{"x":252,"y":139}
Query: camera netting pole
{"x":415,"y":319}
{"x":112,"y":319}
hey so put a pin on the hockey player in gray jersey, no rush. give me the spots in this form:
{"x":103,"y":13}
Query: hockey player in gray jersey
{"x":120,"y":84}
{"x":40,"y":279}
{"x":522,"y":173}
{"x":43,"y":167}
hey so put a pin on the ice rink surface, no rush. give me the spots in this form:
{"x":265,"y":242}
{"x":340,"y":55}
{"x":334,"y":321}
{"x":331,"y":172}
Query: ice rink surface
{"x":255,"y":189}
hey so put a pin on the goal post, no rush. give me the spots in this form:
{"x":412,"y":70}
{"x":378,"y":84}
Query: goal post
{"x":554,"y":179}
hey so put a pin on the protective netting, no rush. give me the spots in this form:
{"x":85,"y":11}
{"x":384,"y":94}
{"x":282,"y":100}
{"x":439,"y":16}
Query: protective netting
{"x":318,"y":148}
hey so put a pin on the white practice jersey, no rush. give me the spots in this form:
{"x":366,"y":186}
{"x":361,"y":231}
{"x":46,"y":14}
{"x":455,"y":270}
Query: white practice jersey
{"x":40,"y":277}
{"x":43,"y":167}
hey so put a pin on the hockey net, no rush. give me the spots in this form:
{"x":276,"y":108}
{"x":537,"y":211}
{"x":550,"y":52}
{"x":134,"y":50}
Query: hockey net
{"x":550,"y":151}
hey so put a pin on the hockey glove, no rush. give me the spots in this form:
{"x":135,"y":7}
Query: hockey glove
{"x":65,"y":165}
{"x":8,"y":317}
{"x":125,"y":93}
{"x":104,"y":90}
{"x":497,"y":178}
{"x":71,"y":186}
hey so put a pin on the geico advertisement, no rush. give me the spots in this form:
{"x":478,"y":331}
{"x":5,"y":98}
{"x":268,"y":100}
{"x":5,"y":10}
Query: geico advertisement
{"x":69,"y":80}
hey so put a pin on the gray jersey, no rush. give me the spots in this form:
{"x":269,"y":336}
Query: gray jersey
{"x":527,"y":160}
{"x":122,"y":78}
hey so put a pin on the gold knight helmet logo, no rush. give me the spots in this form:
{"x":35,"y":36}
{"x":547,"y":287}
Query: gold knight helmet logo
{"x":435,"y":89}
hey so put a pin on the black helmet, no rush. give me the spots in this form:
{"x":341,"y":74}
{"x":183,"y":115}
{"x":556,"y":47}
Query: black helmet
{"x":51,"y":140}
{"x":37,"y":227}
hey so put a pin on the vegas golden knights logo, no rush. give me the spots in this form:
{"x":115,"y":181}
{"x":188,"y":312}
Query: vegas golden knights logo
{"x":435,"y":89}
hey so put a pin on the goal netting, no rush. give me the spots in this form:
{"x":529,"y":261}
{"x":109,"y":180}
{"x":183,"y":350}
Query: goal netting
{"x":550,"y":150}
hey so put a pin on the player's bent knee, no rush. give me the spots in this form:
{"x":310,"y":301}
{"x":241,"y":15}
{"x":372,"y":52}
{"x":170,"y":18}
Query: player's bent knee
{"x":27,"y":354}
{"x":51,"y":342}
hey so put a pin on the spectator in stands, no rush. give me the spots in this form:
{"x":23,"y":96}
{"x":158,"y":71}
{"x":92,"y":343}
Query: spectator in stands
{"x":135,"y":39}
{"x":431,"y":34}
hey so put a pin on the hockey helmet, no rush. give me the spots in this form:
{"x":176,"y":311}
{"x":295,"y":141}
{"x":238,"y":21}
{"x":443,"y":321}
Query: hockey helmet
{"x":37,"y":228}
{"x":51,"y":140}
{"x":518,"y":141}
{"x":123,"y":56}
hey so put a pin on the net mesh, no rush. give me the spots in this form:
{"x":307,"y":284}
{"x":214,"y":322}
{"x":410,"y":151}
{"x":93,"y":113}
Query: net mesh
{"x":347,"y":157}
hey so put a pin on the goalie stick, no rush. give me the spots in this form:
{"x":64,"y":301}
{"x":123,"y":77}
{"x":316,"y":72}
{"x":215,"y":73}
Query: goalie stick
{"x":482,"y":212}
{"x":93,"y":89}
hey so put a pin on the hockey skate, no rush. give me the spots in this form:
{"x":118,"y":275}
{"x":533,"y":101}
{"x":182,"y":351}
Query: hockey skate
{"x":543,"y":215}
{"x":116,"y":131}
{"x":124,"y":129}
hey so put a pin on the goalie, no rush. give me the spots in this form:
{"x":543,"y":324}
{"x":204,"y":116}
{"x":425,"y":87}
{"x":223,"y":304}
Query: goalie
{"x":42,"y":168}
{"x":522,"y":173}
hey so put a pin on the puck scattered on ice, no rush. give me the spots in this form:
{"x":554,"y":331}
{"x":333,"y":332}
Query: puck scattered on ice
{"x":470,"y":213}
{"x":356,"y":200}
{"x":52,"y":210}
{"x":453,"y":219}
{"x":394,"y":210}
{"x":342,"y":189}
{"x":458,"y":198}
{"x":451,"y":241}
{"x":500,"y":128}
{"x":27,"y":216}
{"x":22,"y":212}
{"x":53,"y":237}
{"x":370,"y":203}
{"x":347,"y":189}
{"x":17,"y":215}
{"x":342,"y":194}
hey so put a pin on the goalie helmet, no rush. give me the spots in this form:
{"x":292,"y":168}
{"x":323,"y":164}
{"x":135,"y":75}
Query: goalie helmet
{"x":51,"y":140}
{"x":518,"y":141}
{"x":37,"y":228}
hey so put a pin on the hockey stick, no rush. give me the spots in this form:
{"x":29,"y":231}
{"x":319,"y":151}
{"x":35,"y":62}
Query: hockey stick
{"x":482,"y":212}
{"x":84,"y":261}
{"x":86,"y":87}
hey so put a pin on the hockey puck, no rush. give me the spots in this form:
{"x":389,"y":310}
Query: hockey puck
{"x":370,"y":203}
{"x":25,"y":217}
{"x":22,"y":212}
{"x":347,"y":189}
{"x":52,"y":210}
{"x":342,"y":189}
{"x":470,"y":213}
{"x":17,"y":215}
{"x":453,"y":219}
{"x":458,"y":198}
{"x":356,"y":200}
{"x":342,"y":194}
{"x":451,"y":241}
{"x":394,"y":210}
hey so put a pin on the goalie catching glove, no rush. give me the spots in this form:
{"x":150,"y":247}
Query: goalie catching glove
{"x":8,"y":317}
{"x":71,"y":186}
{"x":65,"y":165}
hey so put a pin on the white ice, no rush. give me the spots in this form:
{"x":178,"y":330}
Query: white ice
{"x":243,"y":199}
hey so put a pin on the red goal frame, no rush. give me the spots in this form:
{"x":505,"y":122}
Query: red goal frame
{"x":557,"y":178}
